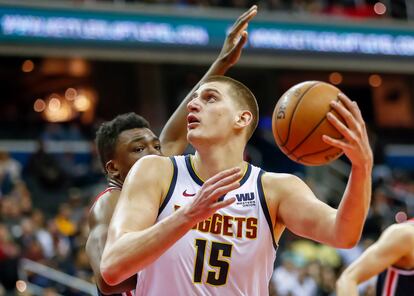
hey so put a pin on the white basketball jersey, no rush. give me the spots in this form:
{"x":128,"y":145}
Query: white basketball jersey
{"x":231,"y":253}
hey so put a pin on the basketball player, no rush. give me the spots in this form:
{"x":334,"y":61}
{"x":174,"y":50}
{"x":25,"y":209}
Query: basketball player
{"x":127,"y":138}
{"x":392,"y":257}
{"x":219,"y":237}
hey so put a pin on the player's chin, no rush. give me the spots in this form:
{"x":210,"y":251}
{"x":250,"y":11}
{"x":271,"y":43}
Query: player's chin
{"x":194,"y":136}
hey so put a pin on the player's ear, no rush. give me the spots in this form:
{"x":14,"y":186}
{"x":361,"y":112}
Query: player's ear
{"x":112,"y":169}
{"x":243,"y":119}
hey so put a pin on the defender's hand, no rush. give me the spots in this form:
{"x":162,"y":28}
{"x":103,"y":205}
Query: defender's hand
{"x":205,"y":202}
{"x":236,"y":38}
{"x":355,"y":143}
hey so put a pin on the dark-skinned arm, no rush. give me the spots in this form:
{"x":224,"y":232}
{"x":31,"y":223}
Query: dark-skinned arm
{"x":99,"y":219}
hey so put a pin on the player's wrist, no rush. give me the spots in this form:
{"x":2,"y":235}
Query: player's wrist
{"x":365,"y":167}
{"x":221,"y":65}
{"x":187,"y":217}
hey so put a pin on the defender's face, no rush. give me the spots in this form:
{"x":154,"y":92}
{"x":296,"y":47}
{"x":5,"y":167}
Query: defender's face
{"x":211,"y":113}
{"x":132,"y":145}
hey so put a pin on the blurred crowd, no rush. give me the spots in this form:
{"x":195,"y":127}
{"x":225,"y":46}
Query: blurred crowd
{"x":305,"y":268}
{"x":44,"y":205}
{"x":348,"y":8}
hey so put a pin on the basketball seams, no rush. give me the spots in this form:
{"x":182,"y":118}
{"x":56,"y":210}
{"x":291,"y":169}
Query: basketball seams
{"x":310,"y":133}
{"x":293,"y":114}
{"x":314,"y":153}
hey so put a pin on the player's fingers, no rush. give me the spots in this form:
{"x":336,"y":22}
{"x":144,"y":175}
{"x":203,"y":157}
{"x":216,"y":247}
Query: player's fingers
{"x":222,"y":175}
{"x":342,"y":128}
{"x":246,"y":14}
{"x":223,"y":182}
{"x":222,"y":204}
{"x":222,"y":190}
{"x":358,"y":113}
{"x":350,"y":105}
{"x":242,"y":41}
{"x":345,"y":114}
{"x":336,"y":143}
{"x":242,"y":21}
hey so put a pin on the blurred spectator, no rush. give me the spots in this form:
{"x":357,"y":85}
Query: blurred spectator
{"x":46,"y":181}
{"x":64,"y":222}
{"x":42,"y":235}
{"x":9,"y":252}
{"x":327,"y":281}
{"x":10,"y":172}
{"x":44,"y":169}
{"x":53,"y":132}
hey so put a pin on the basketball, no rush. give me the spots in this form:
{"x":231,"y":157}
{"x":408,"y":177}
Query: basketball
{"x":299,"y":121}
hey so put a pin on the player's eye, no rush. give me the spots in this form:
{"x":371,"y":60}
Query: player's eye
{"x":139,"y":149}
{"x":211,"y":99}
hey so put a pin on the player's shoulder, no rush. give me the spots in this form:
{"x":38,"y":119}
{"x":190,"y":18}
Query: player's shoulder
{"x":401,"y":231}
{"x":398,"y":236}
{"x":280,"y":180}
{"x":104,"y":206}
{"x":153,"y":161}
{"x":150,"y":169}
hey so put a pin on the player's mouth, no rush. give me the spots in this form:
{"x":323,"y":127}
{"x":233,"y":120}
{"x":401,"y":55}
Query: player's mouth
{"x":192,"y":121}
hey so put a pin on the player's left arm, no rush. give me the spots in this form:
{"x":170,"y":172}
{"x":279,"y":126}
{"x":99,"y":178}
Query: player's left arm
{"x":396,"y":242}
{"x":300,"y":210}
{"x":174,"y":135}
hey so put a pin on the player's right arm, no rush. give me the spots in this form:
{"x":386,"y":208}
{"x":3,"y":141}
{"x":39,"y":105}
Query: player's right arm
{"x":295,"y":205}
{"x":99,"y":219}
{"x":396,"y":242}
{"x":134,"y":240}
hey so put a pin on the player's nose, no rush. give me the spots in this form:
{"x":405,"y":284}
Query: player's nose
{"x":193,"y":105}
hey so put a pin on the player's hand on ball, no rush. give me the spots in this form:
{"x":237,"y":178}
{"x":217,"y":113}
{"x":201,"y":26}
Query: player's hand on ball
{"x":355,"y":143}
{"x":236,"y":38}
{"x":205,"y":202}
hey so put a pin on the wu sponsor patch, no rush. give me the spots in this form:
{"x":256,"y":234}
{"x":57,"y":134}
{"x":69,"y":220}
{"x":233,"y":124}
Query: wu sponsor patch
{"x":246,"y":199}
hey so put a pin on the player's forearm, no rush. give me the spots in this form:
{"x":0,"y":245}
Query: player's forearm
{"x":94,"y":249}
{"x":133,"y":251}
{"x":174,"y":134}
{"x":354,"y":207}
{"x":346,"y":286}
{"x":125,"y":286}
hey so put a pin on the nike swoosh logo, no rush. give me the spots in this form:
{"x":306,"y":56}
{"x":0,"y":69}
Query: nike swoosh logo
{"x":188,"y":194}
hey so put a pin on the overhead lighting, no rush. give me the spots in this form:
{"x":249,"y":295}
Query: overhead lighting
{"x":27,"y":66}
{"x":21,"y":286}
{"x":82,"y":103}
{"x":380,"y":8}
{"x":375,"y":80}
{"x":39,"y":105}
{"x":335,"y":78}
{"x":70,"y":94}
{"x":58,"y":110}
{"x":54,"y":104}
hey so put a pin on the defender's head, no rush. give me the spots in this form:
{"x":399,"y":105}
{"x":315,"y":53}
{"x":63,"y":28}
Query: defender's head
{"x":124,"y":140}
{"x":221,"y":108}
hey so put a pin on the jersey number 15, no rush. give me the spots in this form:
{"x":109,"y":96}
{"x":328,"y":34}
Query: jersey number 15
{"x":218,"y":250}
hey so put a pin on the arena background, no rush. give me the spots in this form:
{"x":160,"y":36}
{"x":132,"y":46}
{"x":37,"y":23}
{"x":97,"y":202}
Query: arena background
{"x":66,"y":66}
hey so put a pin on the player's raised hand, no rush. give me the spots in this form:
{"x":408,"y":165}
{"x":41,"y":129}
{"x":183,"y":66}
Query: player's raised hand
{"x":205,"y":202}
{"x":355,"y":143}
{"x":236,"y":38}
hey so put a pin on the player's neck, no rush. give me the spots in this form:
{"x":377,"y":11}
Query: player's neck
{"x":208,"y":162}
{"x":112,"y":182}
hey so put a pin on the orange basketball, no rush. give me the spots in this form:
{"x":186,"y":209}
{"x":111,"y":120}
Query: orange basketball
{"x":299,"y":121}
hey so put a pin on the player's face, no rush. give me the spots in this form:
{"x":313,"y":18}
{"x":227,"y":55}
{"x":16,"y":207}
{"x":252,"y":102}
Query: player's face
{"x":132,"y":145}
{"x":212,"y":113}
